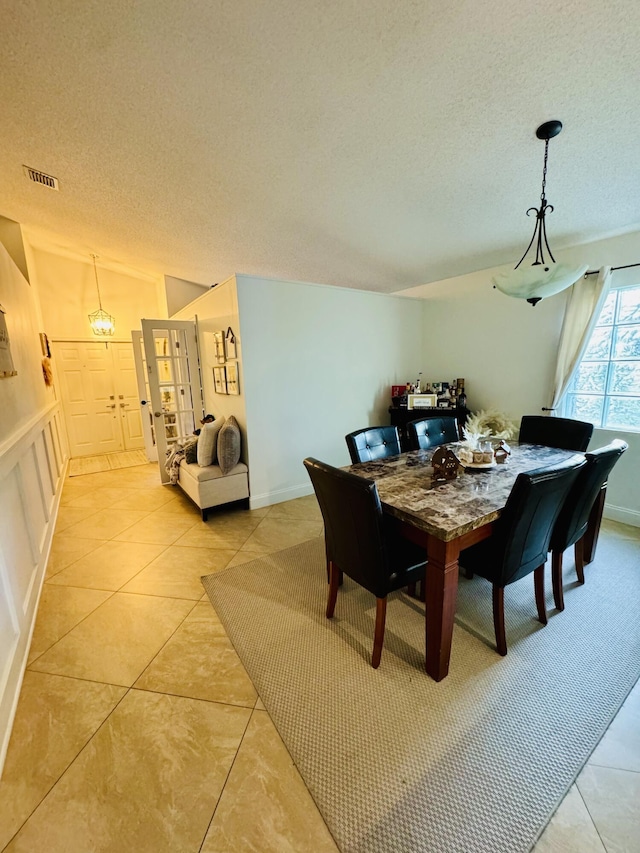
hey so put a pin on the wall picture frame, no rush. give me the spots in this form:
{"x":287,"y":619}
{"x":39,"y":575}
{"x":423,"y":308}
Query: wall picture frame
{"x":6,"y":362}
{"x":218,"y":342}
{"x":220,"y":380}
{"x":230,"y":344}
{"x":44,"y":345}
{"x":233,"y":384}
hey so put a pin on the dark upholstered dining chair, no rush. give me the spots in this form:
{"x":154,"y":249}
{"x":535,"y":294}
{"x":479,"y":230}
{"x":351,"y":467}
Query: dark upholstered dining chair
{"x":361,"y":542}
{"x":573,"y":520}
{"x":366,"y":445}
{"x":431,"y":432}
{"x":520,"y":539}
{"x":564,"y":433}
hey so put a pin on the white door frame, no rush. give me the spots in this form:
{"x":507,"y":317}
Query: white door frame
{"x":145,"y":398}
{"x":174,"y":382}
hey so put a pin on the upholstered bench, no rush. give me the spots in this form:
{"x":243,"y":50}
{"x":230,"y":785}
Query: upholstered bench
{"x":208,"y":487}
{"x":211,"y":472}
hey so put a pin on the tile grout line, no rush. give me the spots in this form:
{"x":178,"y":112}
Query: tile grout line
{"x":595,"y":825}
{"x":226,"y":779}
{"x":71,"y":763}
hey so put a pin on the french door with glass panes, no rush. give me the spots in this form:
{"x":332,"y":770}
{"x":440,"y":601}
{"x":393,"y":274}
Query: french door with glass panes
{"x":173,"y":369}
{"x":144,"y":397}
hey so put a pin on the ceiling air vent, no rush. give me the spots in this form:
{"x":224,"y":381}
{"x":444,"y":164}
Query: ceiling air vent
{"x":40,"y":178}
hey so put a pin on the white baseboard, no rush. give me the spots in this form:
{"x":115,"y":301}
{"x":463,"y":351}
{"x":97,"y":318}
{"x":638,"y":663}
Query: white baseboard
{"x":620,"y":513}
{"x":280,"y":495}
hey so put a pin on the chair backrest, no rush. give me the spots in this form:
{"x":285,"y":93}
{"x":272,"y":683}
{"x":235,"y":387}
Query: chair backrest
{"x":431,"y":432}
{"x":564,"y":433}
{"x":354,"y":526}
{"x":366,"y":445}
{"x":573,"y":519}
{"x":521,"y":536}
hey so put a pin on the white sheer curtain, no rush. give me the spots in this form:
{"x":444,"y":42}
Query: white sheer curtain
{"x":584,"y":304}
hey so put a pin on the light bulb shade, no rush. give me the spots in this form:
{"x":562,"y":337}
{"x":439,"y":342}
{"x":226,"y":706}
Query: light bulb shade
{"x":538,"y":281}
{"x":102,"y":324}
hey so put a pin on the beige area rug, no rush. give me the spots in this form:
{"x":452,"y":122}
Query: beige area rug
{"x":106,"y":462}
{"x":400,"y":764}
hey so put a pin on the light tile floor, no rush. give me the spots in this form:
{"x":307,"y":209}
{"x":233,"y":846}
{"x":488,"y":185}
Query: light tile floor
{"x":138,"y":727}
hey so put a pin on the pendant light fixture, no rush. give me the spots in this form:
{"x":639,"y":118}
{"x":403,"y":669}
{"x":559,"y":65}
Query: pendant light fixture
{"x":102,"y":324}
{"x":543,"y":276}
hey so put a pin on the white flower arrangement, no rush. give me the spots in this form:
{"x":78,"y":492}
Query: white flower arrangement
{"x":489,"y":423}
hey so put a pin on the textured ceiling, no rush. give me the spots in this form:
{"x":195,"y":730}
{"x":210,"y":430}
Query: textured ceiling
{"x":365,"y":144}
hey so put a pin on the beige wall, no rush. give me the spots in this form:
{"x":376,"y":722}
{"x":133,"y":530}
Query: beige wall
{"x":216,"y":310}
{"x":67,"y":291}
{"x":24,"y":395}
{"x":181,"y":293}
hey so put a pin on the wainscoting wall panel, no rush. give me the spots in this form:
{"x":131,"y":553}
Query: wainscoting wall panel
{"x":32,"y":467}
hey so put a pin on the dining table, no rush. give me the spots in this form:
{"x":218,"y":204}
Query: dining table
{"x":445,"y":517}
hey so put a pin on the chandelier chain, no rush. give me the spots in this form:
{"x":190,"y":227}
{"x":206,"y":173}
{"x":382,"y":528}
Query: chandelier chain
{"x":95,"y":272}
{"x":544,"y":170}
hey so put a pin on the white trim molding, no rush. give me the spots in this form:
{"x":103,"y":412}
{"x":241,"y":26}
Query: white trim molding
{"x":279,"y":495}
{"x":32,"y":467}
{"x":622,"y":514}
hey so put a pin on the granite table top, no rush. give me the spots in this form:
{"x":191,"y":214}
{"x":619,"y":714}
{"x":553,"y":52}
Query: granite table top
{"x":449,"y":509}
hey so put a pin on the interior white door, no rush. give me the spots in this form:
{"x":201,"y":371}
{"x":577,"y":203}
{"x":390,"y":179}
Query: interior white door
{"x":173,"y":368}
{"x":144,"y":397}
{"x":85,"y":379}
{"x":127,"y":407}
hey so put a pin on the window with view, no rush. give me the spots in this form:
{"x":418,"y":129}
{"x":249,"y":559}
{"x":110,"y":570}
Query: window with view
{"x":606,"y":387}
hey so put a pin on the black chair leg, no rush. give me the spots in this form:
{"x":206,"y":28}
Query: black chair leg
{"x":538,"y":581}
{"x":556,"y":579}
{"x":579,"y":554}
{"x":334,"y":582}
{"x":593,"y":528}
{"x":416,"y":590}
{"x":498,"y":619}
{"x":378,"y":639}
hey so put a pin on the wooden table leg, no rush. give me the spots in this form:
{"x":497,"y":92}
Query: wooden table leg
{"x":441,"y":591}
{"x":593,"y":528}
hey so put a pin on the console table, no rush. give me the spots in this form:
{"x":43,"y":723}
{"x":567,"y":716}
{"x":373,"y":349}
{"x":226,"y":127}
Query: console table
{"x":400,"y":417}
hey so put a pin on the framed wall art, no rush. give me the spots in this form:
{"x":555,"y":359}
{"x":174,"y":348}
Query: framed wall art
{"x":233,"y":386}
{"x":220,"y":380}
{"x":6,"y":362}
{"x":44,"y":345}
{"x":218,"y":340}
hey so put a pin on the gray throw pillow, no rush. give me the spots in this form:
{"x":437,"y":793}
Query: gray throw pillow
{"x":191,"y":451}
{"x":207,"y":443}
{"x":229,"y":445}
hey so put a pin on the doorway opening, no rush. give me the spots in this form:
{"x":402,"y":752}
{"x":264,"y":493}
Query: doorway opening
{"x":98,"y":392}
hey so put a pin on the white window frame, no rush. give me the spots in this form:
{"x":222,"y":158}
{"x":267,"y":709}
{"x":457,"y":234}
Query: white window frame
{"x":568,"y":410}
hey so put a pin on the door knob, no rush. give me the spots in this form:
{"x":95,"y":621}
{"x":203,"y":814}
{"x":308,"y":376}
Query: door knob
{"x":143,"y":402}
{"x":158,"y":414}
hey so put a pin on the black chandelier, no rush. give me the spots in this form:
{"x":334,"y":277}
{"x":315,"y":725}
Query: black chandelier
{"x":543,"y":277}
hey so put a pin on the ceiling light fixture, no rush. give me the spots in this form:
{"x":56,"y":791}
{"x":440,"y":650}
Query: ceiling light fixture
{"x":102,"y":324}
{"x":544,"y":277}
